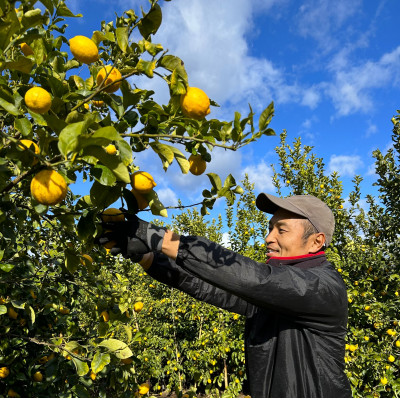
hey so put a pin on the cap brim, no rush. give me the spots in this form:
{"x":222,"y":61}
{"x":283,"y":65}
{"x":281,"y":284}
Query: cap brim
{"x":270,"y":204}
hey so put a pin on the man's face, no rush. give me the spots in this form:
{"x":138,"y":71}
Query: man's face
{"x":285,"y":238}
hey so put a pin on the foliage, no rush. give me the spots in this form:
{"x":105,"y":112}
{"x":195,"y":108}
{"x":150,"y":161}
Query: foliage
{"x":61,"y":314}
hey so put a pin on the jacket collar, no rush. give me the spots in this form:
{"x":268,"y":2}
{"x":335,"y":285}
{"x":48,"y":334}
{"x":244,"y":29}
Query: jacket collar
{"x":303,"y":261}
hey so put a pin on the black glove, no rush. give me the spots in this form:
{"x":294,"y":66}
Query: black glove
{"x":133,"y":238}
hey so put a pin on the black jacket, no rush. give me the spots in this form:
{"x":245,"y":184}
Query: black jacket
{"x":296,"y":313}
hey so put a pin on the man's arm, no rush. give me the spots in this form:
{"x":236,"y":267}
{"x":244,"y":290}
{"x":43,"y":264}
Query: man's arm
{"x":300,"y":292}
{"x":165,"y":270}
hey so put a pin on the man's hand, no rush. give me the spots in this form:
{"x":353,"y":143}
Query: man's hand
{"x":133,"y":238}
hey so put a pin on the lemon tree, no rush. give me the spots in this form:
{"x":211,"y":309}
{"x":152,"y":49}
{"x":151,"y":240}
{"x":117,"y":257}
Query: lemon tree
{"x":68,"y":110}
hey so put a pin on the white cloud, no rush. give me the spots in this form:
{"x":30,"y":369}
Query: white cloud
{"x":345,"y":165}
{"x":351,"y":90}
{"x":261,"y":175}
{"x":168,"y":197}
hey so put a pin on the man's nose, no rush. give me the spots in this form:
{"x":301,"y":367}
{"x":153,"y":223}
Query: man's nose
{"x":269,"y":238}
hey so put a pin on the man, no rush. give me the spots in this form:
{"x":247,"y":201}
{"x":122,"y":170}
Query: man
{"x":295,"y":304}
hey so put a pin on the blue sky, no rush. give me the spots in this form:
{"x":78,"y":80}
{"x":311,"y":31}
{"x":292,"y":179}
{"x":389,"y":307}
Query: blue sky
{"x":332,"y":70}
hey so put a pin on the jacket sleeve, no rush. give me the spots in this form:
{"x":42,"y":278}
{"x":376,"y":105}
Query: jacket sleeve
{"x":309,"y":294}
{"x":166,"y":271}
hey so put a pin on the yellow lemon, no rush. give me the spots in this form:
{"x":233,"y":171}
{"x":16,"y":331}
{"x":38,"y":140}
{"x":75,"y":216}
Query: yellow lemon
{"x":4,"y":372}
{"x":12,"y":313}
{"x":84,"y":49}
{"x":92,"y":376}
{"x":48,"y":187}
{"x":144,"y":388}
{"x":391,"y":358}
{"x":195,"y":103}
{"x":384,"y":381}
{"x":138,"y":306}
{"x":112,"y":215}
{"x":196,"y":164}
{"x":29,"y":144}
{"x":110,"y":75}
{"x":86,"y":257}
{"x":38,"y":100}
{"x":37,"y":376}
{"x":98,"y":103}
{"x":111,"y":149}
{"x":12,"y":393}
{"x":397,"y":343}
{"x":142,"y":182}
{"x":105,"y":316}
{"x":26,"y":49}
{"x":141,"y":200}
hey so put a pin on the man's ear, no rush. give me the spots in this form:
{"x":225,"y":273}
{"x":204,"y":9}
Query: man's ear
{"x":318,"y":241}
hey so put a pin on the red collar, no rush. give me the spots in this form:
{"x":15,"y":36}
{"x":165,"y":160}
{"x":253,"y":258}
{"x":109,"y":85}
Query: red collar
{"x":297,"y":257}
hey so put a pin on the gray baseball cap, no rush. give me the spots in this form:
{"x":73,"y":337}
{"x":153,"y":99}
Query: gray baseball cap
{"x":310,"y":207}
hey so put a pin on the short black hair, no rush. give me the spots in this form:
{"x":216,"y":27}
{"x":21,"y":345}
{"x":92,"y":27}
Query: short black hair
{"x":309,"y":229}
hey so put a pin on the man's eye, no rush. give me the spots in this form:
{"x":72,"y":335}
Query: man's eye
{"x":281,"y":230}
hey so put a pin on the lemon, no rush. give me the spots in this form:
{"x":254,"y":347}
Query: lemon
{"x":195,"y":103}
{"x":138,"y":306}
{"x":112,"y":215}
{"x":37,"y":376}
{"x":196,"y":164}
{"x":105,"y":316}
{"x":86,"y":257}
{"x":26,"y":49}
{"x":12,"y":313}
{"x":142,"y":182}
{"x":38,"y":100}
{"x":391,"y":358}
{"x":384,"y":381}
{"x":84,"y":49}
{"x":112,"y":75}
{"x":141,"y":200}
{"x":144,"y":388}
{"x":28,"y":144}
{"x":98,"y":103}
{"x":92,"y":376}
{"x":12,"y":393}
{"x":4,"y":372}
{"x":111,"y":149}
{"x":48,"y":187}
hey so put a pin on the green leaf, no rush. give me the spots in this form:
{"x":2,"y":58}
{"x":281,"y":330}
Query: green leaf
{"x":125,"y":151}
{"x":120,"y":349}
{"x":176,"y":84}
{"x":103,"y":175}
{"x":172,"y":63}
{"x":265,"y":117}
{"x":6,"y":267}
{"x":64,"y":11}
{"x":33,"y":18}
{"x":69,"y":137}
{"x":165,"y":152}
{"x":81,"y":367}
{"x":86,"y":226}
{"x":113,"y":162}
{"x":10,"y":108}
{"x":9,"y":24}
{"x":122,"y":37}
{"x":152,"y":48}
{"x":72,"y":261}
{"x":3,"y":310}
{"x":103,"y":196}
{"x":23,"y":64}
{"x":99,"y":37}
{"x":23,"y":125}
{"x":100,"y":360}
{"x":49,"y":5}
{"x":146,"y":67}
{"x":31,"y":313}
{"x":156,"y":207}
{"x":128,"y":331}
{"x":181,"y":159}
{"x":150,"y":23}
{"x":215,"y":181}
